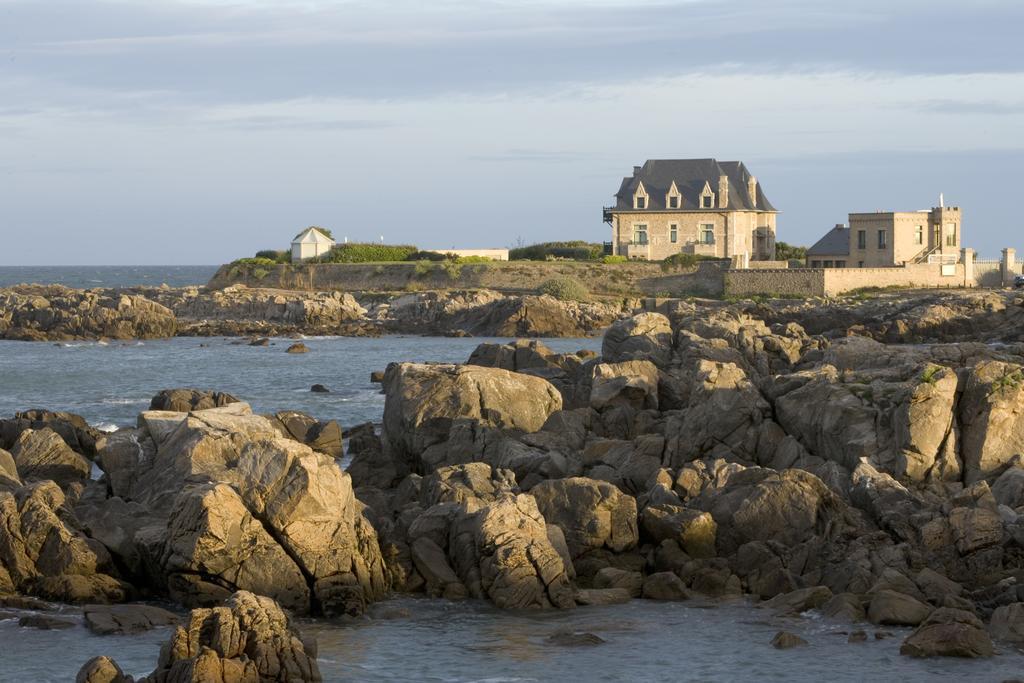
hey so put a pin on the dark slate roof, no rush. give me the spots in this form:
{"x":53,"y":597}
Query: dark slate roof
{"x":835,"y":242}
{"x":690,"y":175}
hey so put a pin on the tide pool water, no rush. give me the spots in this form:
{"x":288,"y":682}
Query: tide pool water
{"x":109,"y":384}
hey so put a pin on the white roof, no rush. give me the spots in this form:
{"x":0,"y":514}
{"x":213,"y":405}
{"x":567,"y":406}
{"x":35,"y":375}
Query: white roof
{"x":312,"y":236}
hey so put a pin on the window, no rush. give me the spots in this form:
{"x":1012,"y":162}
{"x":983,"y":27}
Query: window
{"x":707,"y":234}
{"x":673,"y":202}
{"x":815,"y":264}
{"x":707,"y":201}
{"x":919,"y":235}
{"x":828,"y":264}
{"x":840,"y":264}
{"x":640,"y":233}
{"x":639,"y":202}
{"x":950,"y":234}
{"x":673,"y":233}
{"x":881,"y":239}
{"x":860,"y":264}
{"x":862,"y":239}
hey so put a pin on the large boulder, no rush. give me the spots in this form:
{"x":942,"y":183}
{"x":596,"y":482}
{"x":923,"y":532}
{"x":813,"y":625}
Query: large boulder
{"x":249,"y":638}
{"x":232,"y":505}
{"x":43,"y":454}
{"x":503,"y":552}
{"x":187,"y":400}
{"x":629,"y":383}
{"x":42,"y":553}
{"x":949,"y":632}
{"x":424,"y":401}
{"x":647,"y":336}
{"x":592,"y":514}
{"x":1007,"y":623}
{"x":991,"y":418}
{"x":787,"y":507}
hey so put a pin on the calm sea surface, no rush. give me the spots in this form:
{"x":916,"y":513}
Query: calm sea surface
{"x":408,"y":639}
{"x":85,"y":277}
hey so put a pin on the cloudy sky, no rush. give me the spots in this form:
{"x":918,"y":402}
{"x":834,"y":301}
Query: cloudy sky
{"x":196,"y":131}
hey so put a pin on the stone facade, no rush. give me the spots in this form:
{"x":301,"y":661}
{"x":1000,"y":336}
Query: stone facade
{"x":892,"y":238}
{"x":692,"y":206}
{"x":731,"y":234}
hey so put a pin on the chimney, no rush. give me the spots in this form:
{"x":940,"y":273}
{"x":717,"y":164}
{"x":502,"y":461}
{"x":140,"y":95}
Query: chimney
{"x":723,"y":192}
{"x":752,"y":191}
{"x":636,"y":171}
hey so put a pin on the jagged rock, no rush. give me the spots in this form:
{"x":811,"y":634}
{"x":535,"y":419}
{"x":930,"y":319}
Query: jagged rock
{"x":844,"y":607}
{"x":647,"y":336}
{"x":502,"y":552}
{"x":613,"y":577}
{"x":43,"y":454}
{"x":186,"y":400}
{"x":694,"y":530}
{"x":799,"y":601}
{"x":297,"y":347}
{"x":591,"y":597}
{"x":432,"y":564}
{"x":592,"y":514}
{"x":424,"y":401}
{"x":45,"y":622}
{"x":53,"y":312}
{"x":248,"y":639}
{"x":9,"y":478}
{"x":1007,"y":623}
{"x":630,"y":383}
{"x":948,"y":633}
{"x":896,"y":609}
{"x":75,"y":431}
{"x":107,"y":619}
{"x":664,"y":586}
{"x":784,"y":640}
{"x":461,"y":483}
{"x":574,"y":639}
{"x":991,"y":418}
{"x":102,"y":670}
{"x":42,"y":555}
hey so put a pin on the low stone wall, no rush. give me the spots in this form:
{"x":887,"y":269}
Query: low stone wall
{"x":781,"y":282}
{"x":768,"y":265}
{"x":510,"y":277}
{"x":923,"y":275}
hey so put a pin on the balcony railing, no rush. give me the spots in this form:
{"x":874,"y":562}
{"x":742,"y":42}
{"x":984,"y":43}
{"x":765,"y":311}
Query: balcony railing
{"x":606,"y":213}
{"x":638,"y":250}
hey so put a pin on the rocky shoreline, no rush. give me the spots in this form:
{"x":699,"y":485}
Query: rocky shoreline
{"x":56,"y":313}
{"x":863,"y":461}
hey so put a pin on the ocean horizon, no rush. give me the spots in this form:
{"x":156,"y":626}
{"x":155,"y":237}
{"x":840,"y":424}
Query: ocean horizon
{"x":87,"y":277}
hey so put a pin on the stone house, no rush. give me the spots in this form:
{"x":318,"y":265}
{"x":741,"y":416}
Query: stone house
{"x":891,"y":238}
{"x":310,"y":243}
{"x":693,"y":206}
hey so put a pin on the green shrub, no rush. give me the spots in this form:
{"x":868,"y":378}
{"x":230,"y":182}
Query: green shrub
{"x":474,"y":259}
{"x":422,"y":268}
{"x":275,"y":255}
{"x":564,"y":288}
{"x":575,"y":250}
{"x":428,"y":256}
{"x":368,"y":252}
{"x":616,"y":258}
{"x":256,"y":261}
{"x":453,"y":269}
{"x":789,"y":252}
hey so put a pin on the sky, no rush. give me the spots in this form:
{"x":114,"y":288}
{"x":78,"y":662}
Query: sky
{"x":197,"y":131}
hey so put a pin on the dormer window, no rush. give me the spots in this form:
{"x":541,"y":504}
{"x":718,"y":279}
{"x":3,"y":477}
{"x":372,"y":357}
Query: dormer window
{"x":673,"y":199}
{"x":707,"y":197}
{"x":640,"y":197}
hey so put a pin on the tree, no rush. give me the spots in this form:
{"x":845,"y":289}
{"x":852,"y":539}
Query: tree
{"x":788,"y":252}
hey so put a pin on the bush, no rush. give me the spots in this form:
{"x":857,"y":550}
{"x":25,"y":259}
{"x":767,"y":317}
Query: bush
{"x":427,"y":256}
{"x":275,"y":255}
{"x":788,"y":252}
{"x":616,"y":258}
{"x":257,"y":261}
{"x":473,"y":259}
{"x":369,"y":252}
{"x":565,"y":288}
{"x":575,"y":250}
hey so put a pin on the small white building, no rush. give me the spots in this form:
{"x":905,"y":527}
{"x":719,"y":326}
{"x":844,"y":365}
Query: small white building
{"x":310,"y":243}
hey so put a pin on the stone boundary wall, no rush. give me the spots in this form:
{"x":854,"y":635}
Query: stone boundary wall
{"x":923,"y":275}
{"x":768,"y":265}
{"x":511,"y":277}
{"x":782,"y":282}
